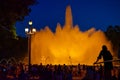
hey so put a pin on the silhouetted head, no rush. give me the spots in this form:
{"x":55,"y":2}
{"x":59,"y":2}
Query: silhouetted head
{"x":104,"y":47}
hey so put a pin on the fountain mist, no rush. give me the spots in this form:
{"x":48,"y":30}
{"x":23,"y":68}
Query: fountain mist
{"x":68,"y":45}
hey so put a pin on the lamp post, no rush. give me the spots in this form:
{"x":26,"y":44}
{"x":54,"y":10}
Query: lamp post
{"x":29,"y":31}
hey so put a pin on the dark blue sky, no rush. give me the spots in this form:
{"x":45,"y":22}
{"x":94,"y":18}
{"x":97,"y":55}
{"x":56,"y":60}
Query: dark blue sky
{"x":86,"y":13}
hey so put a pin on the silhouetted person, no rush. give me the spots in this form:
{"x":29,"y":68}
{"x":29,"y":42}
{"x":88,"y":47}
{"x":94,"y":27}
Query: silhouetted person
{"x":108,"y":66}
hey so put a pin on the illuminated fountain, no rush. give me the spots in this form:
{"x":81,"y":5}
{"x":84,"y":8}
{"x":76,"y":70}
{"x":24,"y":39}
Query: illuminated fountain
{"x":67,"y":45}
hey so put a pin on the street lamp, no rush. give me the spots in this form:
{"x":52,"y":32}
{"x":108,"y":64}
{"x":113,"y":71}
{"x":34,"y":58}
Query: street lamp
{"x":29,"y":31}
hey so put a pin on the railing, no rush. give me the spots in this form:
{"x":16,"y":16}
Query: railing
{"x":7,"y":61}
{"x":116,"y":60}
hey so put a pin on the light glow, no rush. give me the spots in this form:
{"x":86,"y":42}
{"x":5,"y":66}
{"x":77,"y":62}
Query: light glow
{"x":26,"y":30}
{"x":33,"y":30}
{"x":68,"y":45}
{"x":30,"y":22}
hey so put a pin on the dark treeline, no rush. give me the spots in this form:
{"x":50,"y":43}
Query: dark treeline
{"x":10,"y":47}
{"x":113,"y":34}
{"x":12,"y":11}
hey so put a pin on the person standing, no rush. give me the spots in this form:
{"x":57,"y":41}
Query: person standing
{"x":108,"y":66}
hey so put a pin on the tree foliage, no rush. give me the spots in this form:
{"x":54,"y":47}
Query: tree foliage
{"x":12,"y":11}
{"x":113,"y":34}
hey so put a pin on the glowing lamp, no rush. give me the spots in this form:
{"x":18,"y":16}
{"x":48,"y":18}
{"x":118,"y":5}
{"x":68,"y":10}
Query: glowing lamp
{"x":33,"y":30}
{"x":30,"y":22}
{"x":26,"y":30}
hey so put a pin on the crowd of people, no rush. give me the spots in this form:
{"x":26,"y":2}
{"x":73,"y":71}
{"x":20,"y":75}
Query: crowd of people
{"x":63,"y":72}
{"x":55,"y":72}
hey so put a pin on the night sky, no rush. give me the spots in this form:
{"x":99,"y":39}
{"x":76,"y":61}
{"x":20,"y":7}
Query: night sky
{"x":86,"y":13}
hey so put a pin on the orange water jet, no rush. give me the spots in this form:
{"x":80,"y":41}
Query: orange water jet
{"x":68,"y":45}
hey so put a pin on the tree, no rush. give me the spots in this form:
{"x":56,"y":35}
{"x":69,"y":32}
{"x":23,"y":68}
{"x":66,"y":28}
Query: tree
{"x":113,"y":34}
{"x":12,"y":11}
